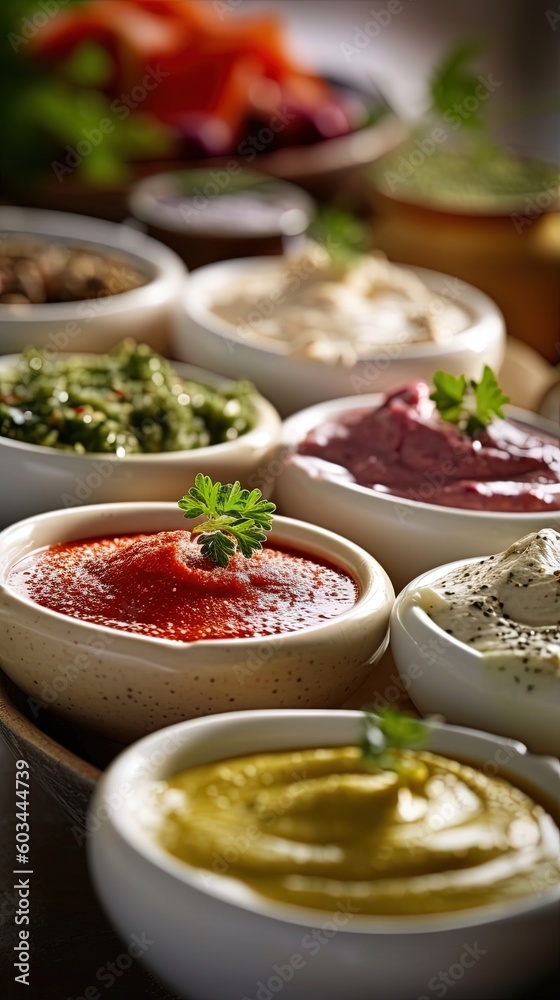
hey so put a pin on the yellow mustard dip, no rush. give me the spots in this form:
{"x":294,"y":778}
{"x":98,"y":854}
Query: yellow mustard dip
{"x":316,"y":827}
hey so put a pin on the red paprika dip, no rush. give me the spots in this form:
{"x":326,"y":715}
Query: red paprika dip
{"x":161,"y":585}
{"x":405,"y":449}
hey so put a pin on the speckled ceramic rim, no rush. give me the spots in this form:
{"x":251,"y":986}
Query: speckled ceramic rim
{"x":266,"y":426}
{"x":296,"y":427}
{"x":165,"y":269}
{"x":486,"y":318}
{"x":138,"y":760}
{"x":375,"y":590}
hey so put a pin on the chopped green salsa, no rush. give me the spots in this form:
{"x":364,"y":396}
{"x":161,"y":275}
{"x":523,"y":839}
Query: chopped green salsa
{"x":129,"y":401}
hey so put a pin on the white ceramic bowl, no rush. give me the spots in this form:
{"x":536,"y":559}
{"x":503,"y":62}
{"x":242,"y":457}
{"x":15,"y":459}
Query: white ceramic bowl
{"x":446,"y":676}
{"x":294,"y":383}
{"x":407,"y":536}
{"x":208,"y":940}
{"x":123,"y":685}
{"x":145,"y":313}
{"x":36,"y":478}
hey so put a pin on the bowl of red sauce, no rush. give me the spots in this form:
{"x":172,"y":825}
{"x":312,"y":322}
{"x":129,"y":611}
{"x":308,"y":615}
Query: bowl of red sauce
{"x":410,"y":488}
{"x":112,"y":618}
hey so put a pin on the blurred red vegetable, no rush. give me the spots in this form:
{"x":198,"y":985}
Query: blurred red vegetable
{"x":214,"y":80}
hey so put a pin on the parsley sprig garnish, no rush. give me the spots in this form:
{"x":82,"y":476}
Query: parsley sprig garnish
{"x":236,"y":518}
{"x":472,"y":405}
{"x":344,"y":236}
{"x":454,"y":81}
{"x":386,"y":733}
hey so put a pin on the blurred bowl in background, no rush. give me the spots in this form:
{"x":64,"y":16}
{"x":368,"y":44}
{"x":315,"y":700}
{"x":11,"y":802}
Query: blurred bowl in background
{"x":220,"y":213}
{"x":146,"y":313}
{"x":336,"y":167}
{"x":327,"y":168}
{"x":509,"y":247}
{"x":464,"y":175}
{"x":293,"y":383}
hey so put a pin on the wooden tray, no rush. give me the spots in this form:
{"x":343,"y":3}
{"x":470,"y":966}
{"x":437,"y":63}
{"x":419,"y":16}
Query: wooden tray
{"x":54,"y":752}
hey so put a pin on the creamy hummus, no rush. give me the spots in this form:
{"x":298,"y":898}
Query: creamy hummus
{"x":317,"y":826}
{"x":506,"y":606}
{"x":314,"y":307}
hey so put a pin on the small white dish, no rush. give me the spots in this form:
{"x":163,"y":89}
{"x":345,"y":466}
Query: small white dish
{"x":146,"y":313}
{"x":36,"y":478}
{"x":122,"y":685}
{"x":408,"y":537}
{"x":185,"y":911}
{"x":292,"y":383}
{"x":448,"y":677}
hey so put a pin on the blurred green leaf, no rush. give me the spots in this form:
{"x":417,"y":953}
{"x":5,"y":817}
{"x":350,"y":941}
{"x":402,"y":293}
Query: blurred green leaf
{"x":46,"y":110}
{"x":62,"y":111}
{"x":387,"y":733}
{"x":454,"y":80}
{"x":343,"y":235}
{"x":142,"y":134}
{"x":89,"y":65}
{"x":103,"y":168}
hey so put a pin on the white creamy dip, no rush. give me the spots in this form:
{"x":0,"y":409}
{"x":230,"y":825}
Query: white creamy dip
{"x":506,"y":606}
{"x":312,"y":306}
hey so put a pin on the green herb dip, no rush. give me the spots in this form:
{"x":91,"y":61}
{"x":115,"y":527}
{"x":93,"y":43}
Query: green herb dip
{"x":129,"y":401}
{"x":477,"y":179}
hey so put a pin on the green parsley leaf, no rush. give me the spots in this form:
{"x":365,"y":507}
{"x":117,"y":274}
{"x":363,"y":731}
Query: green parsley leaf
{"x":449,"y":394}
{"x":201,"y":498}
{"x":473,"y":405}
{"x":388,"y":731}
{"x":454,"y":82}
{"x":217,"y":546}
{"x":342,"y":235}
{"x":235,"y":518}
{"x":489,"y":400}
{"x":89,"y":65}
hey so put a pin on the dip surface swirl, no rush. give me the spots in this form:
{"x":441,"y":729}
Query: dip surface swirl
{"x":161,"y":585}
{"x":404,"y":448}
{"x":314,"y":827}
